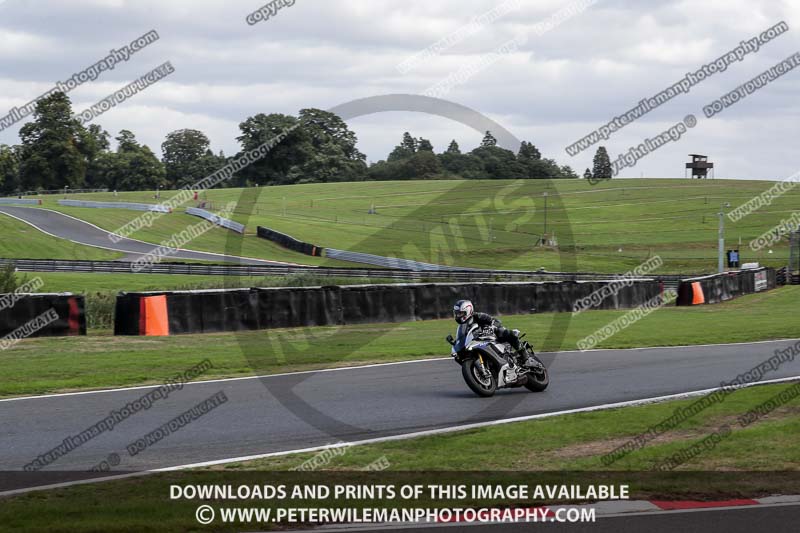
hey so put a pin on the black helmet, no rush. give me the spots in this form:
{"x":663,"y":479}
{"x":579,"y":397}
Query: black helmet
{"x":462,"y":311}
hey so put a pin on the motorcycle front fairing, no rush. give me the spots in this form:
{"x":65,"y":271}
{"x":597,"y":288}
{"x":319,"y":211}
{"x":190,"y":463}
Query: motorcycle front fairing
{"x":467,"y":341}
{"x":464,"y":338}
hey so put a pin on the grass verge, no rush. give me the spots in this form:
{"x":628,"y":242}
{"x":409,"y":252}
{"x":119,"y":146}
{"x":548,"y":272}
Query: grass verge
{"x":577,"y":442}
{"x":21,"y":240}
{"x":751,"y":462}
{"x":79,"y":282}
{"x":36,"y":366}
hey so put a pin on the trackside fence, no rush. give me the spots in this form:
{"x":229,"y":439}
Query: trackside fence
{"x":216,"y":219}
{"x":171,"y":313}
{"x":116,"y":205}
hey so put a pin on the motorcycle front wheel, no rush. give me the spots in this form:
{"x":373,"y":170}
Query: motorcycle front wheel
{"x":483,"y":386}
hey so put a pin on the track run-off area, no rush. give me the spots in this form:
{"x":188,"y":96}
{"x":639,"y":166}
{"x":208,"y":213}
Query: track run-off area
{"x":285,"y":413}
{"x":78,"y":231}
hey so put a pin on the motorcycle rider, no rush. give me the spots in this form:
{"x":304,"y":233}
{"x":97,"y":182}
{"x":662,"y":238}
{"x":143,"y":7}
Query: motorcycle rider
{"x":464,"y":313}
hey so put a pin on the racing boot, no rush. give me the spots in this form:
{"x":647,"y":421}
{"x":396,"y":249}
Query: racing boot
{"x":525,"y":357}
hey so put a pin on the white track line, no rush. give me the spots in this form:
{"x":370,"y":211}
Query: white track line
{"x":680,"y":346}
{"x":633,"y":512}
{"x":222,"y":380}
{"x":359,"y":367}
{"x":476,"y":425}
{"x":403,"y":436}
{"x":266,"y":261}
{"x":74,"y":241}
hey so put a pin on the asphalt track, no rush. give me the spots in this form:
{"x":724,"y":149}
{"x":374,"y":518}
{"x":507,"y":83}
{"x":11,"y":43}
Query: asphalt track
{"x":302,"y":410}
{"x":777,"y":519}
{"x":72,"y":229}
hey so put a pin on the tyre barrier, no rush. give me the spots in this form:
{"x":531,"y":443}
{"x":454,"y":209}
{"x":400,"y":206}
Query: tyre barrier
{"x":216,"y":219}
{"x":42,"y":315}
{"x":721,"y":287}
{"x":211,"y":311}
{"x":289,"y":242}
{"x":158,"y":208}
{"x":20,"y":201}
{"x":780,"y":276}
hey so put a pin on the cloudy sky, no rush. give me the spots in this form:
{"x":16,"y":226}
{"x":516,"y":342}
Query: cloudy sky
{"x":554,"y":88}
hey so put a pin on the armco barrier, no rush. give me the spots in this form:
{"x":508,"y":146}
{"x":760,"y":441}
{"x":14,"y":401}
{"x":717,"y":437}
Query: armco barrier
{"x":288,"y":241}
{"x":20,"y":201}
{"x":388,"y":262}
{"x":670,"y":281}
{"x":116,"y":205}
{"x":60,"y":191}
{"x":720,"y":287}
{"x":171,"y":313}
{"x":216,"y":219}
{"x":71,"y":311}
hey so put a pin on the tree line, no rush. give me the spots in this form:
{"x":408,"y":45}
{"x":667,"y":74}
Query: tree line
{"x":57,"y":152}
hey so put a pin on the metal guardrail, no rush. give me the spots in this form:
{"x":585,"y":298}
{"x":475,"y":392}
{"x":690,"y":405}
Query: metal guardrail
{"x":388,"y":262}
{"x":18,"y":201}
{"x":216,"y":219}
{"x":60,"y":191}
{"x":670,"y":281}
{"x":116,"y":205}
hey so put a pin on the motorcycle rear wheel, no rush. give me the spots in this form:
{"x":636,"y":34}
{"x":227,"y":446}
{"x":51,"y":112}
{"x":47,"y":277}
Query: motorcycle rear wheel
{"x":484,"y":387}
{"x":537,"y":381}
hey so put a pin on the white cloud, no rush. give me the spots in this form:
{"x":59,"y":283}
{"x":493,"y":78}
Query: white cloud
{"x":319,"y":53}
{"x":16,"y":43}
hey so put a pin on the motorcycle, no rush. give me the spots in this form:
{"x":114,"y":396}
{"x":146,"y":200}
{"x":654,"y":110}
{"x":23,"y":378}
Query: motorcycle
{"x":488,"y":365}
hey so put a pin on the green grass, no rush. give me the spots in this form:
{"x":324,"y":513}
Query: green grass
{"x":609,"y":227}
{"x":56,"y":364}
{"x":216,"y":240}
{"x":19,"y":240}
{"x":577,"y":442}
{"x":80,"y":282}
{"x":530,"y":453}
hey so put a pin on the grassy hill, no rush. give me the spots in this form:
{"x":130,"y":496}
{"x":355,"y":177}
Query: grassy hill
{"x":23,"y":241}
{"x":608,"y":227}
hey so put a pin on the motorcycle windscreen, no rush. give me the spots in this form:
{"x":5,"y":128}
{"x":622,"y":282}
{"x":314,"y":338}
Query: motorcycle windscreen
{"x":463,"y":336}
